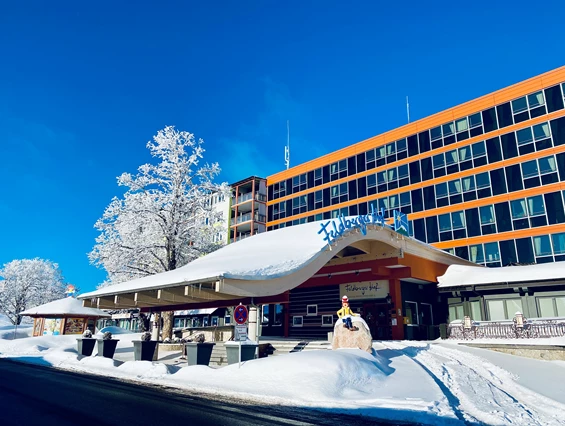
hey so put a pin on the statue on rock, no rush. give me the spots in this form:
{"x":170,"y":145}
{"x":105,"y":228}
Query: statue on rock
{"x":349,"y":335}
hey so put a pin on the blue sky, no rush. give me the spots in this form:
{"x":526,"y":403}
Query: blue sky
{"x":84,"y":86}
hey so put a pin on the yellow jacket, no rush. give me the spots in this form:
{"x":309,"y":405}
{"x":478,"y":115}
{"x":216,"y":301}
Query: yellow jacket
{"x":343,"y":312}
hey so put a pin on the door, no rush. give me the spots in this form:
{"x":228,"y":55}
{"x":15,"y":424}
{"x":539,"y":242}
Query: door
{"x":272,"y":317}
{"x":376,"y":315}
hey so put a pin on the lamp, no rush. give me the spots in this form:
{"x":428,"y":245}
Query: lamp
{"x":388,"y":299}
{"x":329,"y":276}
{"x":356,"y":272}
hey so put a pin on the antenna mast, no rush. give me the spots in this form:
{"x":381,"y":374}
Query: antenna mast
{"x":407,"y":109}
{"x":287,"y":147}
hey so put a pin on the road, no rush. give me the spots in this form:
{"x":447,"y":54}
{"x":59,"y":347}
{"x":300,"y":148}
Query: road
{"x":31,"y":395}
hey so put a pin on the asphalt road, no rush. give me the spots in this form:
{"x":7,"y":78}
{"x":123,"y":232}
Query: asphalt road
{"x":32,"y":395}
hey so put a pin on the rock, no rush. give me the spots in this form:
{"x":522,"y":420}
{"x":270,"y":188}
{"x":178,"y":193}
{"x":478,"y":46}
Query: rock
{"x":359,"y":338}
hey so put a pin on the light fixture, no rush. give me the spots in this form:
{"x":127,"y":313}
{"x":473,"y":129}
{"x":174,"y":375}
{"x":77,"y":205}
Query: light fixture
{"x":356,"y":272}
{"x":329,"y":276}
{"x":388,"y":299}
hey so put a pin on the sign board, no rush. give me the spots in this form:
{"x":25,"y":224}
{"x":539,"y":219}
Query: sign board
{"x":240,"y":333}
{"x":365,"y":290}
{"x":335,"y":228}
{"x":240,"y":314}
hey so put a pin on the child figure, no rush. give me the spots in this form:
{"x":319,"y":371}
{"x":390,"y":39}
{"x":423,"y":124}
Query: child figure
{"x":345,"y":313}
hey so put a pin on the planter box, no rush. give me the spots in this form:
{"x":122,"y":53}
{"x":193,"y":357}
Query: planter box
{"x":247,"y":352}
{"x":145,"y":350}
{"x":86,"y":346}
{"x":199,"y":353}
{"x":106,"y":348}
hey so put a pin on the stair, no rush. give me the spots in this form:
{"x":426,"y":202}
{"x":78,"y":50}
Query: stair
{"x":284,"y":347}
{"x":219,"y":355}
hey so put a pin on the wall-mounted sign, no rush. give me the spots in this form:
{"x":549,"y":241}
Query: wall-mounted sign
{"x":335,"y":228}
{"x":365,"y":290}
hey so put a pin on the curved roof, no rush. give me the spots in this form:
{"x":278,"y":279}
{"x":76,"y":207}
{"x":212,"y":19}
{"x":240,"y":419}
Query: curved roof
{"x":273,"y":262}
{"x":68,"y":306}
{"x":462,"y":275}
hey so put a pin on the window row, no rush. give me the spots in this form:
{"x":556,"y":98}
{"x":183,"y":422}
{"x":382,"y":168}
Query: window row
{"x":531,"y":106}
{"x":529,"y":174}
{"x":538,"y":249}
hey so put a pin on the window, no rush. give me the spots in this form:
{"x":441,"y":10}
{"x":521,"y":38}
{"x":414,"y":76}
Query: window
{"x":448,"y":129}
{"x":265,"y":315}
{"x":215,"y":321}
{"x":518,"y":208}
{"x":438,"y":161}
{"x":519,"y":105}
{"x":278,"y":315}
{"x":503,"y":309}
{"x":456,"y":312}
{"x":318,"y":176}
{"x":536,"y":99}
{"x":436,"y":133}
{"x":487,"y":214}
{"x":371,"y":181}
{"x":458,"y":220}
{"x":551,"y":306}
{"x":461,"y":125}
{"x":483,"y":180}
{"x":444,"y":222}
{"x":529,"y":169}
{"x":412,"y":313}
{"x":297,"y":321}
{"x":476,"y":310}
{"x":476,"y":253}
{"x":206,"y":321}
{"x":451,"y":157}
{"x":524,"y":136}
{"x":542,"y":245}
{"x":492,"y":253}
{"x":464,"y":153}
{"x":227,"y":319}
{"x":558,"y":242}
{"x":327,"y":320}
{"x":468,"y":183}
{"x":541,"y":131}
{"x":536,"y":205}
{"x":454,"y":187}
{"x":405,"y":199}
{"x":441,"y":190}
{"x":312,"y":310}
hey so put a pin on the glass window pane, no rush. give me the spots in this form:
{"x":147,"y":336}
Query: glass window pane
{"x":393,"y":201}
{"x":391,"y":148}
{"x":439,"y":161}
{"x":541,"y":131}
{"x":475,"y":120}
{"x":436,"y":133}
{"x":468,"y":183}
{"x":464,"y":153}
{"x":370,"y":155}
{"x":536,"y":205}
{"x":476,"y":311}
{"x":441,"y":190}
{"x":546,"y":307}
{"x":518,"y":208}
{"x":455,"y":187}
{"x":496,"y":310}
{"x":448,"y":129}
{"x":492,"y":253}
{"x":392,"y":175}
{"x":461,"y":125}
{"x":560,"y":304}
{"x":476,"y":253}
{"x":483,"y":180}
{"x":529,"y":169}
{"x":542,"y":245}
{"x":451,"y":157}
{"x":487,"y":214}
{"x":405,"y":199}
{"x":524,"y":136}
{"x":478,"y":149}
{"x":401,"y":145}
{"x":371,"y":180}
{"x":334,"y":191}
{"x":444,"y":222}
{"x":558,"y":241}
{"x":519,"y":105}
{"x":458,"y":220}
{"x":536,"y":99}
{"x":402,"y":171}
{"x":381,"y":177}
{"x":380,"y":152}
{"x":547,"y":164}
{"x":513,"y":306}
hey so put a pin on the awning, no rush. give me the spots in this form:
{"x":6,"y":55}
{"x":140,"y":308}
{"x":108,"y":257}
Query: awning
{"x":462,"y":275}
{"x":190,"y":312}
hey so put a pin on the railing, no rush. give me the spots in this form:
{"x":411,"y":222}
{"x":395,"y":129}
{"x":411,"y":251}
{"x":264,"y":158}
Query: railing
{"x":247,"y":217}
{"x":246,"y":197}
{"x":510,"y":329}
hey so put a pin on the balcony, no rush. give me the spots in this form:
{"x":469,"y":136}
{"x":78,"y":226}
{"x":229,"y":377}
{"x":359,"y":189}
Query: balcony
{"x":247,"y":217}
{"x":249,"y":196}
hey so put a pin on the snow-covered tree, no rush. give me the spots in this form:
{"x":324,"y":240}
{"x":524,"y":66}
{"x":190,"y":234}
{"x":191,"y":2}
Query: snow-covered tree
{"x":27,"y":283}
{"x":165,"y":218}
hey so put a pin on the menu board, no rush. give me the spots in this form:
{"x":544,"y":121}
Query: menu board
{"x":74,"y":325}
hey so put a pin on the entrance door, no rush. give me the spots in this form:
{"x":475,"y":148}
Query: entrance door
{"x":272,"y":317}
{"x":376,"y":315}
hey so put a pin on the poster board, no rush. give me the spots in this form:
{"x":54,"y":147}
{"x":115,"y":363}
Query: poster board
{"x":37,"y":326}
{"x":74,"y":325}
{"x":52,"y":326}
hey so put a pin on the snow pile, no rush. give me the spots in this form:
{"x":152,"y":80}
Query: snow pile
{"x":413,"y":382}
{"x":4,"y":321}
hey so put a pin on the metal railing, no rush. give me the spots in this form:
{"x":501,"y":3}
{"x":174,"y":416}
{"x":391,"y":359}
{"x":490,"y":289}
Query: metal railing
{"x":248,"y":216}
{"x":246,"y":197}
{"x":509,"y":329}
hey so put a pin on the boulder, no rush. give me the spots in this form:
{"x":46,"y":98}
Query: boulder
{"x":360,"y":338}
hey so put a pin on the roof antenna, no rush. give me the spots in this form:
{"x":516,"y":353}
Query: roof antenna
{"x":407,"y":109}
{"x":287,"y":147}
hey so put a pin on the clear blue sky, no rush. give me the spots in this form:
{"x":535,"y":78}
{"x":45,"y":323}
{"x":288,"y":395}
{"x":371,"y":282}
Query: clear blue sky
{"x":84,"y":86}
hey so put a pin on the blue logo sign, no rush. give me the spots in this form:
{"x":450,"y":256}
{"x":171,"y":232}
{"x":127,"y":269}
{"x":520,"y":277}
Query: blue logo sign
{"x":332,"y":230}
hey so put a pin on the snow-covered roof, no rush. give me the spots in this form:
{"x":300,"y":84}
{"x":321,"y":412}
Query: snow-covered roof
{"x":462,"y":275}
{"x":273,"y":262}
{"x":67,"y":307}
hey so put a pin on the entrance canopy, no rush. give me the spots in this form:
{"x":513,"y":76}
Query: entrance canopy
{"x":264,"y":265}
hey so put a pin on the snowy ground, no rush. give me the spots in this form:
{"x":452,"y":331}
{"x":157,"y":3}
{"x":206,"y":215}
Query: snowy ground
{"x":431,"y":383}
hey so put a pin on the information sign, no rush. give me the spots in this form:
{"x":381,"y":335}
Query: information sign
{"x":240,"y":333}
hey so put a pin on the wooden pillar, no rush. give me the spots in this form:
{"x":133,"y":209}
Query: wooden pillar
{"x":396,"y":309}
{"x":286,"y":319}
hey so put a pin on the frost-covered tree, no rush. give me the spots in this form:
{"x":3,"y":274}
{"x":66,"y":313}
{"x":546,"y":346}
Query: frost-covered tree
{"x":165,"y":218}
{"x":27,"y":283}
